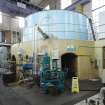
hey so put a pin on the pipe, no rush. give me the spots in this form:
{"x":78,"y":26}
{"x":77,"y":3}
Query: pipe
{"x":92,"y":29}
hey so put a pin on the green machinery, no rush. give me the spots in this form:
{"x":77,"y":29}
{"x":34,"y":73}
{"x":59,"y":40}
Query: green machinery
{"x":51,"y":79}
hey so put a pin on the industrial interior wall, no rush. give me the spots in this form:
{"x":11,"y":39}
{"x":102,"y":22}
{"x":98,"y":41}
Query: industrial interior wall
{"x":84,"y":51}
{"x":9,"y":23}
{"x":99,"y":55}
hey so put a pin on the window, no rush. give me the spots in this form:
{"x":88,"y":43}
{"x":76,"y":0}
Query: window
{"x":21,"y":22}
{"x":98,"y":7}
{"x":47,"y":7}
{"x":0,"y":17}
{"x":65,"y":3}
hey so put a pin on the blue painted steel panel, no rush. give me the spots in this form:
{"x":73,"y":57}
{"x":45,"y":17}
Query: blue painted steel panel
{"x":61,"y":24}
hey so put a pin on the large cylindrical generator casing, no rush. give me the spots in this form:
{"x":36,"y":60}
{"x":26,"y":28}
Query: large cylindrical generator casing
{"x":61,"y":24}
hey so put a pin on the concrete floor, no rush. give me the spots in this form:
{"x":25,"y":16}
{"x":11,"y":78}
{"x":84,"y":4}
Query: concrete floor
{"x":95,"y":97}
{"x":22,"y":95}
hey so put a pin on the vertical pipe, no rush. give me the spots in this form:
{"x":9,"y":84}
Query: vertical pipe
{"x":34,"y":49}
{"x":92,"y":29}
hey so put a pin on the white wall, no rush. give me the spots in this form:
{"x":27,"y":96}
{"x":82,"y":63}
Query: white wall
{"x":101,"y":29}
{"x":99,"y":19}
{"x":99,"y":55}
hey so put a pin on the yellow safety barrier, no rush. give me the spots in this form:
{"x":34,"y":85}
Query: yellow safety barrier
{"x":75,"y":85}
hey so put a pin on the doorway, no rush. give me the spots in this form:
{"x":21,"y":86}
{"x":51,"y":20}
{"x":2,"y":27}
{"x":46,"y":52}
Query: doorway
{"x":69,"y":65}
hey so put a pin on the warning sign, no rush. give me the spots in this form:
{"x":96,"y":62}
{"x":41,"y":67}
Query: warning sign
{"x":75,"y":85}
